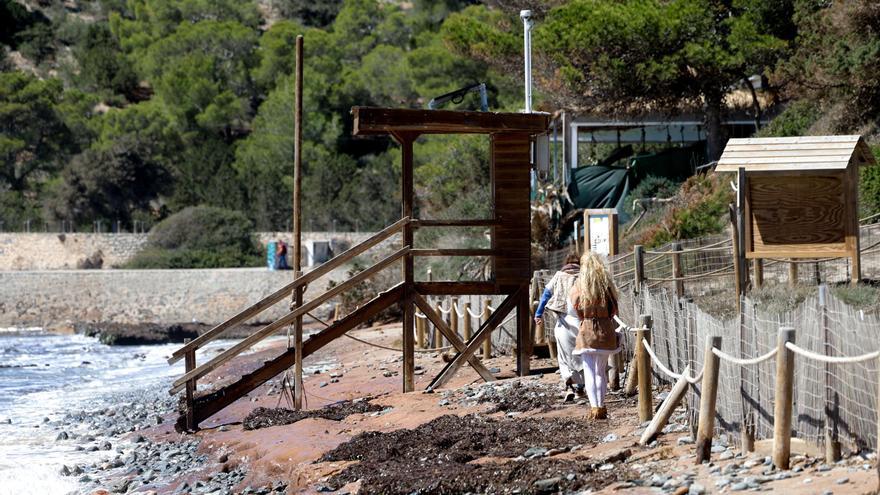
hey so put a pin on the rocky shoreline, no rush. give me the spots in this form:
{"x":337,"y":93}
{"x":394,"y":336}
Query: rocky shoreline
{"x":112,"y":333}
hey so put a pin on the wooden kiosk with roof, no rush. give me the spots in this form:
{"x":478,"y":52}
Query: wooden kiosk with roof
{"x":510,"y":136}
{"x":798,"y":196}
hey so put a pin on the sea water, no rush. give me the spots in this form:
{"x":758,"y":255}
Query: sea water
{"x":44,"y":376}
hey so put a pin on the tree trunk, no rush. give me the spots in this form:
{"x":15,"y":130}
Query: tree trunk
{"x":715,"y":138}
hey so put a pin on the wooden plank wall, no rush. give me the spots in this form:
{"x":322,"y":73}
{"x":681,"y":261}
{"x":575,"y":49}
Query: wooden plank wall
{"x":511,"y":157}
{"x":799,"y":216}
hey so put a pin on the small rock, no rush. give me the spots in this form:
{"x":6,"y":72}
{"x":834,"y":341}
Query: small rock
{"x":685,"y":440}
{"x":658,"y":480}
{"x":738,"y":487}
{"x":611,"y":437}
{"x":533,"y":452}
{"x":444,"y":402}
{"x":548,"y":485}
{"x":65,"y":471}
{"x":717,"y":449}
{"x":725,"y":455}
{"x":807,"y":481}
{"x":696,"y":489}
{"x":62,"y":436}
{"x":322,"y":384}
{"x":842,"y":481}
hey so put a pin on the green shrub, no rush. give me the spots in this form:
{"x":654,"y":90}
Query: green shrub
{"x":869,"y":187}
{"x":200,"y":237}
{"x":698,"y":209}
{"x":795,"y":120}
{"x":651,"y":186}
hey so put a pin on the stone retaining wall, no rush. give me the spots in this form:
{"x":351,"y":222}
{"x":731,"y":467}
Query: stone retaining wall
{"x":49,"y":298}
{"x":52,"y":251}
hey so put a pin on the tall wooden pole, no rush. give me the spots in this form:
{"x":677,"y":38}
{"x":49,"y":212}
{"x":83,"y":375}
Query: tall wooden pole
{"x":407,"y":198}
{"x":297,"y":224}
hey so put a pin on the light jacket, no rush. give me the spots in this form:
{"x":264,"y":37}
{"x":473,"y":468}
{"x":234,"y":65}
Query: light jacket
{"x":555,"y":293}
{"x":597,"y":328}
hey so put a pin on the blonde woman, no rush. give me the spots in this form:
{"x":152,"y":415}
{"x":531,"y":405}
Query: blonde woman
{"x":592,"y":303}
{"x":555,"y":299}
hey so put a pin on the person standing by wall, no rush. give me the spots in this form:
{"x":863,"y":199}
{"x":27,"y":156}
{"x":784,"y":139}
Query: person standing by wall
{"x":554,"y":298}
{"x":592,"y":304}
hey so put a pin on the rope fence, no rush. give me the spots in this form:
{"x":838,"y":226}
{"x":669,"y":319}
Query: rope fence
{"x":811,"y":362}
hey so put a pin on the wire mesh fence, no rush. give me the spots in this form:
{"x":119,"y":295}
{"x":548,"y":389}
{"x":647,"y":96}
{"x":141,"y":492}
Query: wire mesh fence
{"x":840,"y":398}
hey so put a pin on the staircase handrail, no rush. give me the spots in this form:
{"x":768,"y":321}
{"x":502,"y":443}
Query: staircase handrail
{"x":286,"y":291}
{"x":287,"y":319}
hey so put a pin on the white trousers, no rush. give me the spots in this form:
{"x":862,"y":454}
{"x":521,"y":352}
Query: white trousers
{"x":595,"y":376}
{"x":569,"y":365}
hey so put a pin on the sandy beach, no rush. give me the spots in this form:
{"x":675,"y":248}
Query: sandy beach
{"x":510,"y":436}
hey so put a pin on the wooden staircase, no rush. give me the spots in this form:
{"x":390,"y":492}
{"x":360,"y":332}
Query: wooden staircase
{"x":202,"y":408}
{"x":209,"y":404}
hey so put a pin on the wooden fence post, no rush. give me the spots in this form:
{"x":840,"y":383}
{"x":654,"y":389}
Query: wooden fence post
{"x":832,"y":443}
{"x":667,"y":408}
{"x":639,"y":260}
{"x":538,"y":332}
{"x":420,"y":331}
{"x":708,"y":398}
{"x":792,"y":274}
{"x":758,"y":268}
{"x":676,"y":270}
{"x":468,"y":324}
{"x":783,"y":402}
{"x":453,"y":316}
{"x":438,"y":337}
{"x":616,"y":370}
{"x":646,"y":407}
{"x":487,"y":344}
{"x":190,"y":364}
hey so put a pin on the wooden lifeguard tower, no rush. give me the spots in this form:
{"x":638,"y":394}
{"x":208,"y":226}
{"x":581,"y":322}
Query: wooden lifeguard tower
{"x":798,"y":196}
{"x":510,"y":136}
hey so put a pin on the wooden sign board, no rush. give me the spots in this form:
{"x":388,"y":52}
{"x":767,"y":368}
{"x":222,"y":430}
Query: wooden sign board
{"x":801,"y":216}
{"x":600,"y":231}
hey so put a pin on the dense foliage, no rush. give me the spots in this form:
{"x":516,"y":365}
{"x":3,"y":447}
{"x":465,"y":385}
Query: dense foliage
{"x":128,"y":111}
{"x":200,"y":237}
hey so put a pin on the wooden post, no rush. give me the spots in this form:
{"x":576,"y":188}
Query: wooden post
{"x":438,"y":337}
{"x":420,"y":332}
{"x":468,"y":324}
{"x":741,"y":189}
{"x":708,"y":398}
{"x":676,"y":270}
{"x":524,"y":333}
{"x":639,"y":260}
{"x":832,"y":443}
{"x":737,"y":267}
{"x":616,"y":371}
{"x":297,"y":225}
{"x":487,"y":344}
{"x":646,"y":406}
{"x":782,"y":405}
{"x":758,"y":268}
{"x":190,"y":364}
{"x":407,"y":268}
{"x":632,"y":376}
{"x":538,"y":328}
{"x":792,"y":274}
{"x":666,"y":409}
{"x":453,"y":316}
